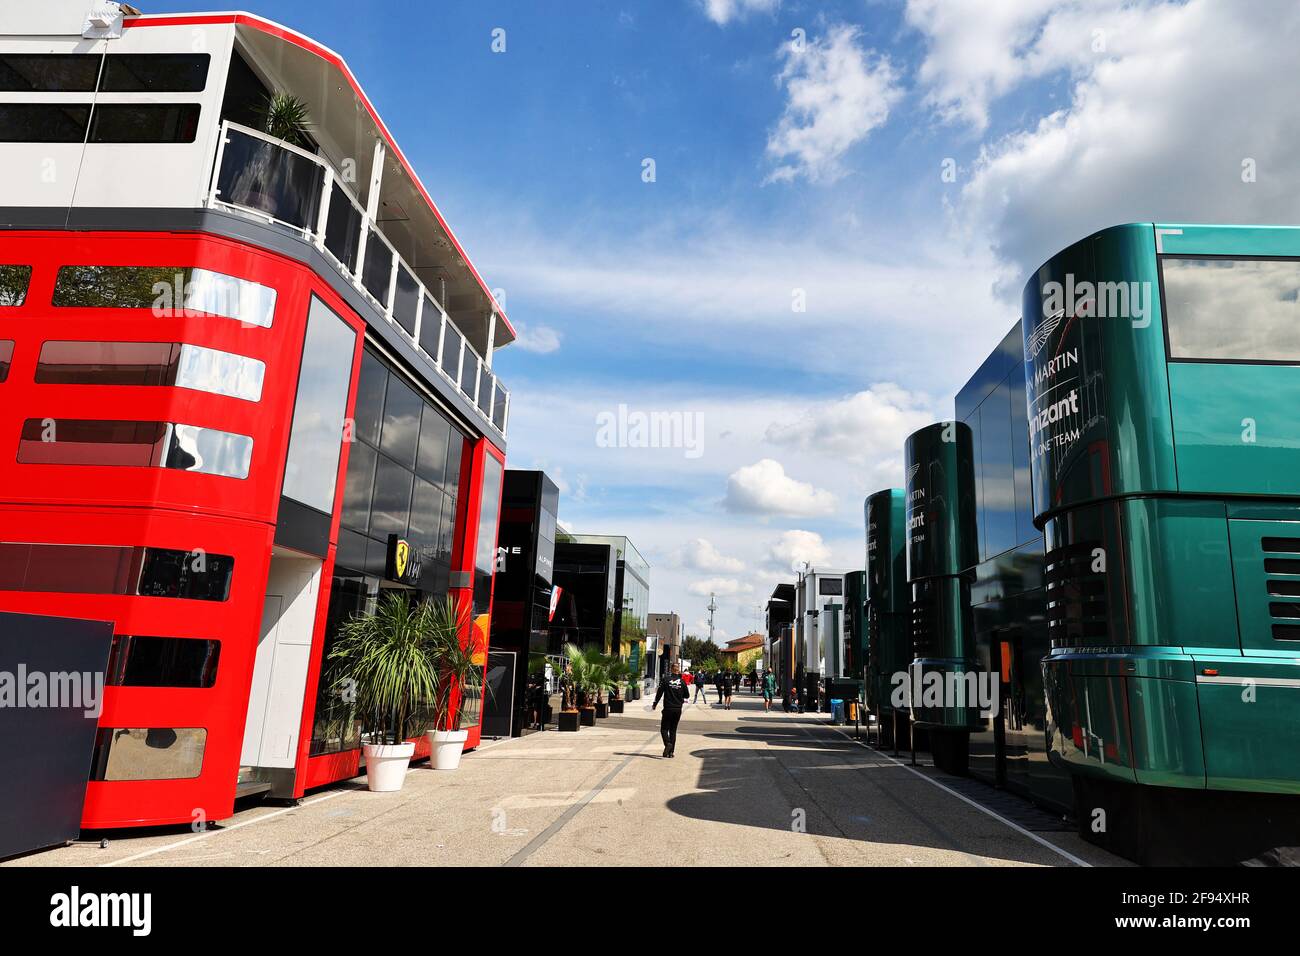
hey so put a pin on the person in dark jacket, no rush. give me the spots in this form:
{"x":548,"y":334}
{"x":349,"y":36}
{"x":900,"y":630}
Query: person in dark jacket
{"x":700,"y":678}
{"x":719,"y":678}
{"x":673,"y":691}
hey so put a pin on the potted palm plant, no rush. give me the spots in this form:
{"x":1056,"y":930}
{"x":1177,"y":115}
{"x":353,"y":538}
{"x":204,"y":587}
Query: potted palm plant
{"x":384,"y":668}
{"x":459,"y":678}
{"x":619,"y":673}
{"x":588,"y":678}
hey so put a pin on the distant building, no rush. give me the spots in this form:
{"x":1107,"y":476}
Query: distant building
{"x":665,"y":636}
{"x":603,"y":597}
{"x":742,"y":650}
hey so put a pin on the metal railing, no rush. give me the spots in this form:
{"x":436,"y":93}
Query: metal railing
{"x":269,"y":179}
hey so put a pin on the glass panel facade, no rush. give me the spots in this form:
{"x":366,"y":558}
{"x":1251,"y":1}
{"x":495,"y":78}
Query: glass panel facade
{"x":450,"y":360}
{"x":396,"y":434}
{"x":316,"y":437}
{"x":1232,"y":309}
{"x":485,"y":553}
{"x":148,"y":753}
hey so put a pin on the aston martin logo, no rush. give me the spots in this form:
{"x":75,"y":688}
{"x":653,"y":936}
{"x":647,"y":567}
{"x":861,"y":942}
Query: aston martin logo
{"x":911,"y":472}
{"x":402,"y":558}
{"x":1038,"y":338}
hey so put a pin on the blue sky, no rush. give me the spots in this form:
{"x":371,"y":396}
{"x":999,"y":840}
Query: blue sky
{"x":793,"y":165}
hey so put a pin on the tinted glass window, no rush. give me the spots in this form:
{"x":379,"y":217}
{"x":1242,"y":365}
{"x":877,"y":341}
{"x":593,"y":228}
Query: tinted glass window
{"x":93,"y":569}
{"x":43,"y":122}
{"x":48,"y":72}
{"x":406,"y":300}
{"x":13,"y":284}
{"x":150,"y":363}
{"x":392,"y":500}
{"x":830,"y":586}
{"x":486,"y":551}
{"x":378,"y":270}
{"x":435,"y":431}
{"x":234,"y":298}
{"x":1233,"y":309}
{"x":499,"y":406}
{"x":468,"y":372}
{"x":263,"y":176}
{"x":401,"y":432}
{"x":120,"y":287}
{"x":430,"y":325}
{"x":316,"y":438}
{"x":426,"y":514}
{"x":455,"y":448}
{"x":359,"y":488}
{"x":162,"y":662}
{"x":148,"y":753}
{"x":450,"y":360}
{"x":343,"y":228}
{"x":144,"y":123}
{"x":70,"y":441}
{"x":155,"y":73}
{"x":371,"y":388}
{"x":6,"y":359}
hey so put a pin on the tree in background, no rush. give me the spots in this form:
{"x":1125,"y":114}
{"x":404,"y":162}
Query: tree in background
{"x":696,"y":650}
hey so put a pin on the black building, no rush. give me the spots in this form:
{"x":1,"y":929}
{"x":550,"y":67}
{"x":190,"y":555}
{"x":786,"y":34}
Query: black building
{"x":522,"y":601}
{"x":603,"y":598}
{"x":780,"y":636}
{"x":1008,"y":596}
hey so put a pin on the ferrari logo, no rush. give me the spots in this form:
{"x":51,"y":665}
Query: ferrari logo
{"x":402,"y":558}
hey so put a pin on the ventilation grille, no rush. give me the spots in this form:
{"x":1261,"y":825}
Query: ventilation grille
{"x":1076,"y":595}
{"x":1283,"y":587}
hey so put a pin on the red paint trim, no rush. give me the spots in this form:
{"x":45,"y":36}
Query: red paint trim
{"x":329,"y":56}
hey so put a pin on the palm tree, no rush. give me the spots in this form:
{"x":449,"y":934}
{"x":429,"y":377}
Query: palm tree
{"x":384,"y":666}
{"x":285,"y":117}
{"x":590,"y":669}
{"x":460,"y":673}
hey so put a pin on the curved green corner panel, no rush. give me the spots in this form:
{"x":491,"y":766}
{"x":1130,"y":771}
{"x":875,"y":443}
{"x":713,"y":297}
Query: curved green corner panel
{"x":889,"y":645}
{"x":942,"y":547}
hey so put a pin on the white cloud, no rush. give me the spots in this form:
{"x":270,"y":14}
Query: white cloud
{"x":1159,"y":134}
{"x":721,"y":586}
{"x":866,"y":429}
{"x":837,"y":93}
{"x":764,"y":488}
{"x":541,"y":339}
{"x":700,"y":555}
{"x":798,"y":545}
{"x":723,"y":12}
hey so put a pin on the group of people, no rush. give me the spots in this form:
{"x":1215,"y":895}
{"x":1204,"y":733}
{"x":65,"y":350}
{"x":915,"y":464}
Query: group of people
{"x":675,"y":692}
{"x":725,"y":683}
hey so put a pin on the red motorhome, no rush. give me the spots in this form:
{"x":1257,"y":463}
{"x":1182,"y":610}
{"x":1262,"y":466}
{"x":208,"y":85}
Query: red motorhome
{"x":239,"y":370}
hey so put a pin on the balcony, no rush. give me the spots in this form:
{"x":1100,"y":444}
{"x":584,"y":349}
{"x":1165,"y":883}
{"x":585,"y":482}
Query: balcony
{"x":296,"y":190}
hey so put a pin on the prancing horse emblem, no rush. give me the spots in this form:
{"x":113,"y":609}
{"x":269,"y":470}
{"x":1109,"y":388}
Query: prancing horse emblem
{"x":402,"y":558}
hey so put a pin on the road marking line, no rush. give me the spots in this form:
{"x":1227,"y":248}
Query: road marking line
{"x":537,"y":842}
{"x":978,"y":806}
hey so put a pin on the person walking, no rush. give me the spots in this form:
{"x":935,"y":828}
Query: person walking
{"x":719,"y":679}
{"x":699,"y":688}
{"x":728,"y":687}
{"x":769,"y":690}
{"x":673,"y":691}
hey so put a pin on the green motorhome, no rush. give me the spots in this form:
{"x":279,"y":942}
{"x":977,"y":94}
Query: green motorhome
{"x":1163,"y":397}
{"x":888,"y":614}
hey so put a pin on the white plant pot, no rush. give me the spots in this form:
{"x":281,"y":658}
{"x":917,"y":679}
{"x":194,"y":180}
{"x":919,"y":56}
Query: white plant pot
{"x":386,"y":765}
{"x":445,"y":747}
